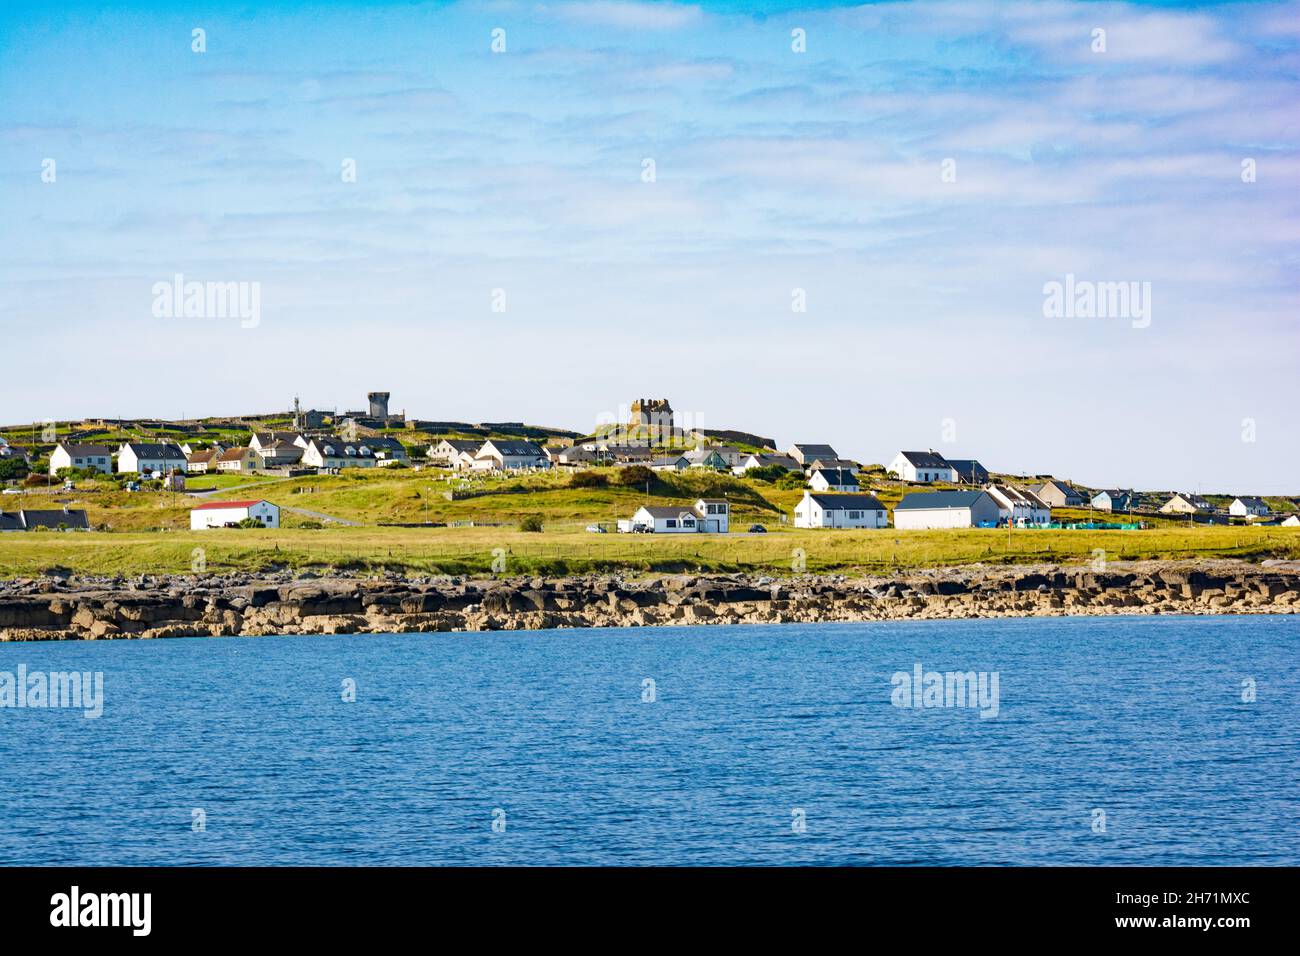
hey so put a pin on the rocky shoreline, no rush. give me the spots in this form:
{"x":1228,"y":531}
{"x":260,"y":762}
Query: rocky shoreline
{"x":88,"y":608}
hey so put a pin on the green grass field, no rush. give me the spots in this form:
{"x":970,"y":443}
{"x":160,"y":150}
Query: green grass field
{"x":473,"y":549}
{"x":149,"y":531}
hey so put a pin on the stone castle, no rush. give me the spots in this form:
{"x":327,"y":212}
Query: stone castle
{"x":655,"y":412}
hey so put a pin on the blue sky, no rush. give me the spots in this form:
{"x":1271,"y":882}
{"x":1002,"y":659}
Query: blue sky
{"x":774,"y":171}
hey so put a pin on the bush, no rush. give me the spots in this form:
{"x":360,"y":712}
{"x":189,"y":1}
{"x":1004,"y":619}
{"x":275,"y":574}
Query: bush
{"x":791,"y":479}
{"x":12,"y":468}
{"x":634,"y":475}
{"x":768,"y":473}
{"x":311,"y":525}
{"x":588,"y":479}
{"x":249,"y":523}
{"x":531,"y":523}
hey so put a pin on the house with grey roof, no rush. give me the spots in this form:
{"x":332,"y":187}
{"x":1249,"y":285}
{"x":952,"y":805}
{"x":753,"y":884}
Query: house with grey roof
{"x":969,"y":471}
{"x":65,"y":455}
{"x":499,"y":454}
{"x":806,"y":454}
{"x":149,"y":457}
{"x":1185,"y":503}
{"x":946,"y":509}
{"x":922,"y":466}
{"x":1115,"y":499}
{"x":763,"y":460}
{"x":840,"y":511}
{"x":1248,"y":508}
{"x":833,"y":479}
{"x":706,"y":515}
{"x":1059,"y":494}
{"x":52,"y":519}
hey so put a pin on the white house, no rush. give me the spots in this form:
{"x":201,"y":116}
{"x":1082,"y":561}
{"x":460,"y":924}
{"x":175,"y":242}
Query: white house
{"x":709,"y":515}
{"x":337,"y":453}
{"x":833,"y":479}
{"x":1019,"y":506}
{"x":805,"y":455}
{"x":223,"y":514}
{"x":1248,"y":508}
{"x":670,"y":463}
{"x":1291,"y":521}
{"x":946,"y":509}
{"x":922,"y":466}
{"x":144,"y":458}
{"x":498,"y":454}
{"x":447,"y":450}
{"x":750,"y":462}
{"x":840,"y":511}
{"x":99,"y":457}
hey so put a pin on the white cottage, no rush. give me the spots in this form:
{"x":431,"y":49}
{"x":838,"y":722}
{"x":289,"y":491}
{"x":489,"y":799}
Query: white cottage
{"x":502,"y":455}
{"x":707,"y":515}
{"x":223,"y":514}
{"x":145,"y":458}
{"x":1019,"y":505}
{"x":99,"y":457}
{"x":922,"y":466}
{"x":840,"y":511}
{"x":1248,"y":508}
{"x":834,"y":479}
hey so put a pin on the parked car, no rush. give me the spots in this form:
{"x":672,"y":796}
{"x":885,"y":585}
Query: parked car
{"x":595,"y":529}
{"x":12,"y":491}
{"x":757,"y":529}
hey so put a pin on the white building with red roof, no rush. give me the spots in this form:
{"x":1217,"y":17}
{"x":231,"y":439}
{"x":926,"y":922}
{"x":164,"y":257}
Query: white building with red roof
{"x":224,"y":514}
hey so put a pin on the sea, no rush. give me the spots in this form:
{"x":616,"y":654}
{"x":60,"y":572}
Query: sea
{"x":1024,"y":742}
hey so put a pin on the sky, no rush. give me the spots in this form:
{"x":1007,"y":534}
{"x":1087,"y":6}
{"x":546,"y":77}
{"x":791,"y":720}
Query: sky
{"x":815,"y":222}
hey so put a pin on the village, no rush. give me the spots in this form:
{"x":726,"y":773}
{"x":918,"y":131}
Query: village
{"x":929,"y":491}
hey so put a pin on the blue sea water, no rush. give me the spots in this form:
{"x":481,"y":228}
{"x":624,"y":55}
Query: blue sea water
{"x":1142,"y":718}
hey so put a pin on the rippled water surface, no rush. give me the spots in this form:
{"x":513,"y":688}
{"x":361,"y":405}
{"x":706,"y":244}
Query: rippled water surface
{"x":1141,"y":718}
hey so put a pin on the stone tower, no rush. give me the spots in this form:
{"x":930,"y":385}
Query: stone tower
{"x":655,"y":412}
{"x":378,"y":404}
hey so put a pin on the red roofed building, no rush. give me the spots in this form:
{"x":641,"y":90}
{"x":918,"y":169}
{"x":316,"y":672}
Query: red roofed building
{"x":225,"y":514}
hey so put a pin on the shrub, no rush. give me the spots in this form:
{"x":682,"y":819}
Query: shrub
{"x":311,"y":525}
{"x":791,"y":479}
{"x":12,"y":468}
{"x":588,"y":479}
{"x":531,"y":523}
{"x":768,"y":473}
{"x":634,"y":475}
{"x":249,"y":523}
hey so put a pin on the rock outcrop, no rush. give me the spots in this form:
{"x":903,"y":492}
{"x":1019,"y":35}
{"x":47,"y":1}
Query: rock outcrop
{"x":72,"y":608}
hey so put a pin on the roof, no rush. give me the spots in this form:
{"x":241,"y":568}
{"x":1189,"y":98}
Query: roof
{"x":214,"y":505}
{"x":10,"y":521}
{"x":837,"y":476}
{"x":766,"y":460}
{"x":461,"y":444}
{"x":84,"y":451}
{"x":927,"y":500}
{"x":164,"y":450}
{"x":715,"y":501}
{"x":670,"y":460}
{"x":52,"y":518}
{"x":514,"y":449}
{"x":925,"y":459}
{"x":1253,"y":502}
{"x":1060,"y":486}
{"x":815,"y":451}
{"x":233,"y":454}
{"x":848,"y":502}
{"x":1018,"y":495}
{"x":340,"y":447}
{"x":968,"y":468}
{"x":664,"y":511}
{"x":206,"y":454}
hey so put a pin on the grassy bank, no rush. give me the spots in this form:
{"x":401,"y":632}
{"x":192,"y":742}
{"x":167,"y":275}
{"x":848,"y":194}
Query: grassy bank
{"x":473,"y":550}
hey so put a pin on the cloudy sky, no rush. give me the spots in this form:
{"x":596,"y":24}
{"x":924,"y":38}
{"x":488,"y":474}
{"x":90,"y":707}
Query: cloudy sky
{"x":633,"y":198}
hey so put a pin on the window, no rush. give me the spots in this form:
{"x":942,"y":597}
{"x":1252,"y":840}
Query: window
{"x":671,"y":523}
